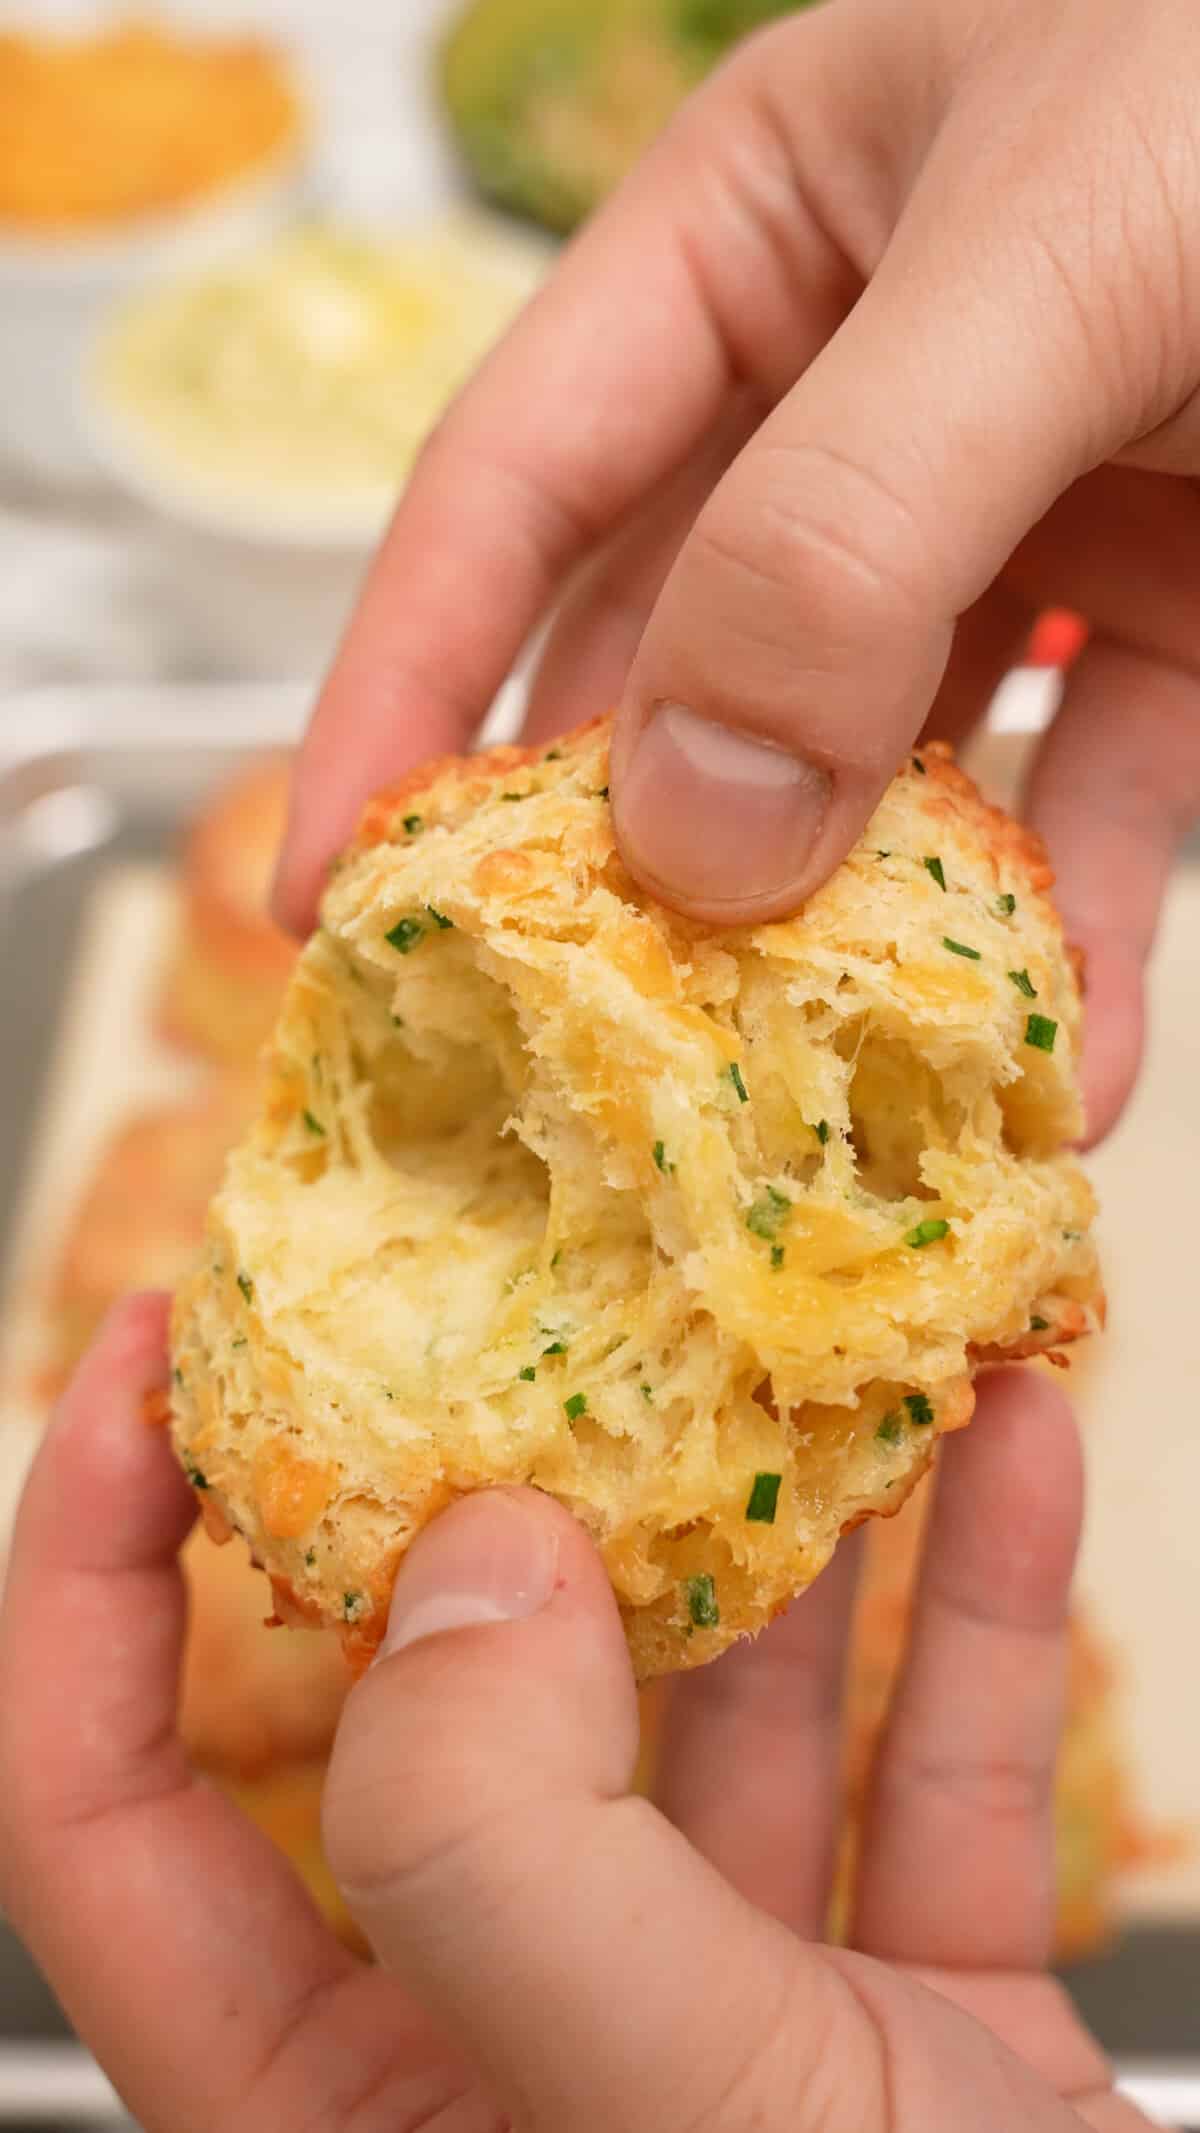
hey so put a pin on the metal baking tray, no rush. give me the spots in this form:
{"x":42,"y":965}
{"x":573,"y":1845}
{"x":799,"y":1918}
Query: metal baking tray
{"x":89,"y":777}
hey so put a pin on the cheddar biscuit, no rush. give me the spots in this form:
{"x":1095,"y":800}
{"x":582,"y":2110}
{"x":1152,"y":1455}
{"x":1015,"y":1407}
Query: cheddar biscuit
{"x":701,"y":1231}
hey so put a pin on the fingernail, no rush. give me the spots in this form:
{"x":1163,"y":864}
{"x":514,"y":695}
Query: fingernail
{"x":491,"y":1559}
{"x":716,"y":816}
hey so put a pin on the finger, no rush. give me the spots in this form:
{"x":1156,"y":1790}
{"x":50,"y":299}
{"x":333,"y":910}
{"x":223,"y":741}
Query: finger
{"x":956,"y":1864}
{"x":479,"y":1822}
{"x":610,"y":379}
{"x":751,"y":1755}
{"x":803,"y":632}
{"x":180,"y":1943}
{"x":598,"y":628}
{"x":1115,"y":788}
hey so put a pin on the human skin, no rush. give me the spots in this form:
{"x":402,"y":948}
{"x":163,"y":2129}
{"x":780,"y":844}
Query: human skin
{"x":892,"y":341}
{"x":553,"y":1953}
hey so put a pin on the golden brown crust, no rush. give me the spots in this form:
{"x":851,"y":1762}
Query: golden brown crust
{"x":230,"y":962}
{"x":535,"y":1150}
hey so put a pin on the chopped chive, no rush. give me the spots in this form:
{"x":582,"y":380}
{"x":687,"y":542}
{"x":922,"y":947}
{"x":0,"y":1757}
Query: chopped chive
{"x":933,"y":865}
{"x":920,"y":1411}
{"x":603,"y":793}
{"x":766,"y":1214}
{"x":647,"y":1395}
{"x":735,"y":1075}
{"x":884,"y":854}
{"x":776,"y":1257}
{"x":555,"y":1348}
{"x":1024,"y":983}
{"x":397,"y":1021}
{"x":821,"y":1129}
{"x":891,"y":1429}
{"x":1041,"y":1032}
{"x":310,"y":1556}
{"x":387,"y":1392}
{"x":413,"y":825}
{"x":1072,"y":1236}
{"x":555,"y":1257}
{"x":575,"y":1406}
{"x":516,"y":796}
{"x":314,"y":1124}
{"x":439,"y":918}
{"x":961,"y":948}
{"x":177,"y":1374}
{"x":246,"y":1286}
{"x":1039,"y":1325}
{"x":926,"y":1233}
{"x":240,"y":1342}
{"x":197,"y":1479}
{"x":918,"y":766}
{"x":1006,"y":905}
{"x":701,"y":1596}
{"x":552,"y":755}
{"x":528,"y":1374}
{"x":660,"y":1156}
{"x":764,"y":1496}
{"x":352,"y":1605}
{"x":404,"y":935}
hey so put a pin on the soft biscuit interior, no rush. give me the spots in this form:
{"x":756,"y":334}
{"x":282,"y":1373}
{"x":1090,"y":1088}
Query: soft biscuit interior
{"x":697,"y":1235}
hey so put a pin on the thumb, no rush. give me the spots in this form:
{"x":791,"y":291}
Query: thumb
{"x":798,"y":643}
{"x":595,"y":1969}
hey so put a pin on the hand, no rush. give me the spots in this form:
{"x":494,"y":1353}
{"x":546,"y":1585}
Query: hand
{"x":553,"y":1954}
{"x":890,"y":342}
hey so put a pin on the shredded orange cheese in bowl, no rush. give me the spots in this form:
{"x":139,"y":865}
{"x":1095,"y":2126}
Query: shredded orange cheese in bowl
{"x":131,"y":123}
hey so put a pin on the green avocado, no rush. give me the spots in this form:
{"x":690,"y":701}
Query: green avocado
{"x":552,"y":100}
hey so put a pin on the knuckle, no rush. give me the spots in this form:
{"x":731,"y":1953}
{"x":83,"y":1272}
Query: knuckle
{"x":821,"y":539}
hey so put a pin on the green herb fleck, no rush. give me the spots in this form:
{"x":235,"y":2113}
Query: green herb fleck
{"x":240,"y":1342}
{"x":603,"y":793}
{"x":575,"y":1406}
{"x":352,"y":1605}
{"x":776,"y":1257}
{"x":516,"y":796}
{"x":961,"y":948}
{"x":884,"y":854}
{"x":926,"y":1233}
{"x":555,"y":1257}
{"x":552,"y":755}
{"x":701,"y":1596}
{"x":764,"y":1496}
{"x":766,"y":1214}
{"x":555,"y":1348}
{"x":660,"y":1158}
{"x":177,"y":1374}
{"x":821,"y":1129}
{"x":1072,"y":1236}
{"x":891,"y":1429}
{"x":918,"y":766}
{"x":197,"y":1479}
{"x":735,"y":1075}
{"x":397,"y":1021}
{"x":1039,"y":1325}
{"x":933,"y":865}
{"x":647,"y":1395}
{"x":528,"y":1374}
{"x":920,"y":1411}
{"x":413,"y":825}
{"x":1024,"y":983}
{"x":1006,"y":905}
{"x":440,"y":920}
{"x":246,"y":1286}
{"x":404,"y":935}
{"x":1041,"y":1032}
{"x":310,"y":1557}
{"x":314,"y":1124}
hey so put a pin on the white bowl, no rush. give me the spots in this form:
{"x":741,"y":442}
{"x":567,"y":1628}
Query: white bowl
{"x":54,"y":291}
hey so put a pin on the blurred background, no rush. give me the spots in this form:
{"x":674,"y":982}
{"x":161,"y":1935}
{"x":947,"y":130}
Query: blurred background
{"x":247,"y":252}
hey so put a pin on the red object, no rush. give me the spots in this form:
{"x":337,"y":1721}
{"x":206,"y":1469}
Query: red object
{"x":1058,"y":638}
